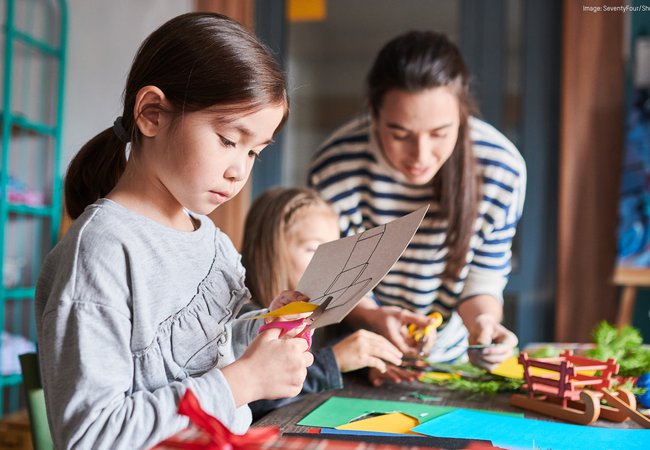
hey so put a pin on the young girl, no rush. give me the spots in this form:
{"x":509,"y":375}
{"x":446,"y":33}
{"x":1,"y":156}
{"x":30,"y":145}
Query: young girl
{"x":283,"y":229}
{"x":136,"y":304}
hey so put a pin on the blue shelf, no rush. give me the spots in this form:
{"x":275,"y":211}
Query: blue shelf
{"x":37,"y":44}
{"x":20,"y":293}
{"x":11,"y":380}
{"x":40,"y":87}
{"x":23,"y":124}
{"x":42,"y":211}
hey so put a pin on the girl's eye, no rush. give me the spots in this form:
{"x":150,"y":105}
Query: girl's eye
{"x":254,"y":154}
{"x":227,"y":142}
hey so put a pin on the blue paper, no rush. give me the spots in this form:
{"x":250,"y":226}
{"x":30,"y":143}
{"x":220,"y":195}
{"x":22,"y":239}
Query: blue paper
{"x":517,"y":433}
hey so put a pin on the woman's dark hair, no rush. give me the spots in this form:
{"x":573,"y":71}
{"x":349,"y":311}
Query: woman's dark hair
{"x":420,"y":60}
{"x":198,"y":60}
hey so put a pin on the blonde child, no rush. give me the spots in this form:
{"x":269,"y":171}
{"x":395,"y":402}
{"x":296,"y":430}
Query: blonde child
{"x":137,"y":303}
{"x":283,"y":229}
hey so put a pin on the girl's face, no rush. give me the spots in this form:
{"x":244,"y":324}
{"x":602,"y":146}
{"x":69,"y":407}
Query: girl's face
{"x":207,"y":159}
{"x":417,"y":131}
{"x":312,"y":226}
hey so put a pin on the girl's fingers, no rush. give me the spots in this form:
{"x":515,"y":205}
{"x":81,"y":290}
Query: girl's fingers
{"x":383,"y":345}
{"x":270,"y":334}
{"x":386,"y":353}
{"x":375,"y":378}
{"x":401,"y":343}
{"x":377,"y":363}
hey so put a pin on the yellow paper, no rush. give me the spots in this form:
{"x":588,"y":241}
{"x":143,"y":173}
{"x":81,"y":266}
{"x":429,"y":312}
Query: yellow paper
{"x":512,"y":369}
{"x":386,"y":423}
{"x":438,"y":376}
{"x":288,"y":310}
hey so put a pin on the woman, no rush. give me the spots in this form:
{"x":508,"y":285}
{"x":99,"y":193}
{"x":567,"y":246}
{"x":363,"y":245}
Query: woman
{"x":419,"y":144}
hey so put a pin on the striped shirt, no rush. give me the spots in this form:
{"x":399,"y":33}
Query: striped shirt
{"x":351,"y":172}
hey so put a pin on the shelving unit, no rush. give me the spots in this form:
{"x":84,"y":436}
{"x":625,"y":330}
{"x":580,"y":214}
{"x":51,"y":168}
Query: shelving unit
{"x":34,"y":49}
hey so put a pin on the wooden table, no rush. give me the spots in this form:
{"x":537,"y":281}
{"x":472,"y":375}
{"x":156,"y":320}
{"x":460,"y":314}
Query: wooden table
{"x":355,"y":386}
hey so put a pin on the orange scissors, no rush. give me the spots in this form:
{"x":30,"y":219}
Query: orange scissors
{"x":421,"y":335}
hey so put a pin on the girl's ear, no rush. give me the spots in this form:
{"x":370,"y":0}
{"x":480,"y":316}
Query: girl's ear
{"x":150,"y":103}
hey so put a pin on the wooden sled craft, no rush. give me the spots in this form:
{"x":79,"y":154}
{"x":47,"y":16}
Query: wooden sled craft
{"x":566,"y":389}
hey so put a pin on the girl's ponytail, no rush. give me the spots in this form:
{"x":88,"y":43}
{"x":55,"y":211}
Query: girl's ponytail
{"x":94,"y":171}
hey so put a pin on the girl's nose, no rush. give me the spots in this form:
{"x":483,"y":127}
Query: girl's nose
{"x":236,"y":170}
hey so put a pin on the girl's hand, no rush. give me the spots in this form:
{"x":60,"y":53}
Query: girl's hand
{"x":392,"y":321}
{"x":270,"y":368}
{"x":486,"y":329}
{"x":286,"y":297}
{"x":365,"y":349}
{"x":392,"y":374}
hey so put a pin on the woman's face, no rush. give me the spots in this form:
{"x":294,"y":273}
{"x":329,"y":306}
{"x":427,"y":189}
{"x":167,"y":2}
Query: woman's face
{"x":417,"y":131}
{"x":312,"y":226}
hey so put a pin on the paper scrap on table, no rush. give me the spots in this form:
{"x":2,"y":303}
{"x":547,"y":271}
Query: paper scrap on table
{"x":438,"y":376}
{"x":337,"y":411}
{"x":514,"y":432}
{"x":511,"y":368}
{"x":288,"y":310}
{"x":396,"y":422}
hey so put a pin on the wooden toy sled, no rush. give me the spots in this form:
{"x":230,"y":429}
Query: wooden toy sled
{"x":559,"y":390}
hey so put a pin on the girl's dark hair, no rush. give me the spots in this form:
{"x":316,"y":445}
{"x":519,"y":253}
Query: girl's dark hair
{"x":420,"y":60}
{"x":198,"y":60}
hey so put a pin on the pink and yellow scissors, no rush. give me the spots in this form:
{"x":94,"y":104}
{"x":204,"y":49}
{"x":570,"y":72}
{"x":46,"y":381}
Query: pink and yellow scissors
{"x":288,"y":325}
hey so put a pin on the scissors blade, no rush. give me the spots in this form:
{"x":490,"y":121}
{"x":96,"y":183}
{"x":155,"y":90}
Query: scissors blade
{"x":320,"y":310}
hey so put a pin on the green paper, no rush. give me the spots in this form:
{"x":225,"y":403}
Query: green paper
{"x":337,"y":411}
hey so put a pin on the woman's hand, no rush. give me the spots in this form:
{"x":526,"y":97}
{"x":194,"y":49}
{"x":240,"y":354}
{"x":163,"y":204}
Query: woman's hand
{"x":392,"y":322}
{"x":485,"y":330}
{"x":270,"y":368}
{"x":365,"y":349}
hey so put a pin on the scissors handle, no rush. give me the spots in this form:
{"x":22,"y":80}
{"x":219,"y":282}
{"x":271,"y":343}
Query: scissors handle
{"x":419,"y":333}
{"x":286,"y":326}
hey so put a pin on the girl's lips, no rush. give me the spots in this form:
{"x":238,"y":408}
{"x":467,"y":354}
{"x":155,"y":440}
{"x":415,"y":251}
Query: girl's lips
{"x":220,"y":197}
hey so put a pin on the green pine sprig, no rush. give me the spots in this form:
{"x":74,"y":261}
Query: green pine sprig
{"x":624,"y":345}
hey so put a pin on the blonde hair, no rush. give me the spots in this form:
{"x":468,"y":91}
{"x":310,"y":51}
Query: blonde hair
{"x":264,"y":250}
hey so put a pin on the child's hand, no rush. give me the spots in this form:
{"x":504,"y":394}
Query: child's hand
{"x":393,"y":374}
{"x":270,"y":368}
{"x":286,"y":297}
{"x":365,"y":349}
